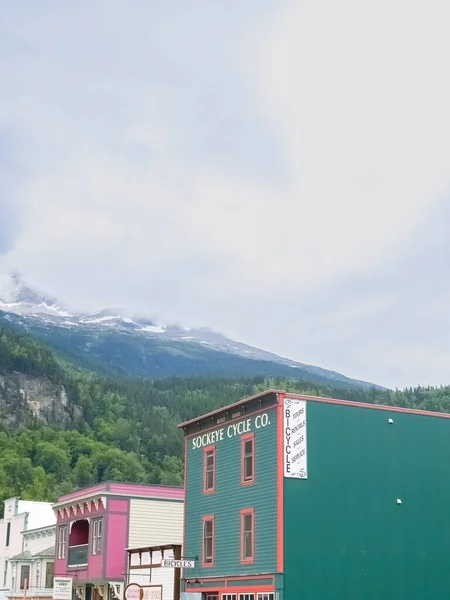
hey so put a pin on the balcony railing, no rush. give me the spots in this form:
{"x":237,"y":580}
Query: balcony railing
{"x":78,"y":556}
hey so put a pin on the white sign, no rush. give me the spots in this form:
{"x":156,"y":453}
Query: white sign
{"x":294,"y":434}
{"x":62,"y":588}
{"x":133,"y":591}
{"x":178,"y":564}
{"x":152,"y":592}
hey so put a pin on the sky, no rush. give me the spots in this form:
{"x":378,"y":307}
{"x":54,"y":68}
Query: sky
{"x":277,"y":170}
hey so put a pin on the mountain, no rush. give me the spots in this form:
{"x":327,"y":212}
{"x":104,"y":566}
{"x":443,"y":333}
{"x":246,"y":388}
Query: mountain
{"x":114,"y":342}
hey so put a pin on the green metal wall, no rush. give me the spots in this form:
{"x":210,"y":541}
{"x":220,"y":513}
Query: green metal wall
{"x":228,"y":500}
{"x":345,"y":536}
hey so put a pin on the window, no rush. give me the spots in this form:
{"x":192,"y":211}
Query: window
{"x":246,"y":596}
{"x":228,"y":596}
{"x":97,"y":536}
{"x":210,"y":596}
{"x":49,"y":570}
{"x":62,"y":540}
{"x":8,"y":533}
{"x":248,"y":459}
{"x":266,"y":596}
{"x":209,"y":468}
{"x":247,"y":535}
{"x":5,"y":573}
{"x":208,"y":542}
{"x":24,"y":576}
{"x":38,"y":575}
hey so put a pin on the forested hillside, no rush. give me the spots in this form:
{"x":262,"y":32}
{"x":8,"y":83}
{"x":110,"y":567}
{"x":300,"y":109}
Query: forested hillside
{"x":118,"y":429}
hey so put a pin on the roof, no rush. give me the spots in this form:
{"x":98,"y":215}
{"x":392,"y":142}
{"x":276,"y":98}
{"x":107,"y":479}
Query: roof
{"x":22,"y":556}
{"x":328,"y":400}
{"x":231,"y":406}
{"x":147,"y":548}
{"x":49,"y":552}
{"x":110,"y":488}
{"x":27,"y":532}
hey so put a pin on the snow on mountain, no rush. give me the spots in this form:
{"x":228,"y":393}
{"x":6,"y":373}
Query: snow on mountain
{"x":20,"y":302}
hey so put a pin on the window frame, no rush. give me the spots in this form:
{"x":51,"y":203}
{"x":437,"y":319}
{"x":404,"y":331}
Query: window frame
{"x":228,"y":596}
{"x":208,"y":519}
{"x":62,"y":542}
{"x":49,"y":575}
{"x":270,"y":596}
{"x":206,"y":451}
{"x":244,"y":439}
{"x":250,"y":594}
{"x":22,"y":578}
{"x":245,"y":512}
{"x":97,"y":536}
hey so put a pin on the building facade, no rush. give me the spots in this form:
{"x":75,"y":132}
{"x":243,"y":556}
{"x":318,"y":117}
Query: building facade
{"x":147,"y":569}
{"x":33,"y":568}
{"x":293,"y":497}
{"x":96,"y":526}
{"x":19,"y":516}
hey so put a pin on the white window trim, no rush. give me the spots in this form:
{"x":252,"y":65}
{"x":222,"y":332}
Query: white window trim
{"x":97,"y":534}
{"x":270,"y":595}
{"x":250,"y":596}
{"x":62,"y":541}
{"x":229,"y":597}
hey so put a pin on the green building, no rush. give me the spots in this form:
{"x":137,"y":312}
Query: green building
{"x":301,"y":498}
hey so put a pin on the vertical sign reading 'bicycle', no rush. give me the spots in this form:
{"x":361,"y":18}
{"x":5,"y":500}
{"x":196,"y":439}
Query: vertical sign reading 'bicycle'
{"x":294,"y":434}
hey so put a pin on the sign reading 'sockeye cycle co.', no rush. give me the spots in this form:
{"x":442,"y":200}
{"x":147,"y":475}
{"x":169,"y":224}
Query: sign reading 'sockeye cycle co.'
{"x":294,"y":434}
{"x":232,"y":430}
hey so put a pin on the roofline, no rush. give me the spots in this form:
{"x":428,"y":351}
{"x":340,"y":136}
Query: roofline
{"x":148,"y":548}
{"x":327,"y":399}
{"x":230,"y":406}
{"x":103,"y":490}
{"x":35,"y":529}
{"x":384,"y":407}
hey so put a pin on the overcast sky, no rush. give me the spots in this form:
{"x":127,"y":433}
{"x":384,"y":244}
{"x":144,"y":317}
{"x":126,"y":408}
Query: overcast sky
{"x":277,"y":170}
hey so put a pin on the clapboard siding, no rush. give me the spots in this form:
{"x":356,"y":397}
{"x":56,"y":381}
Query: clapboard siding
{"x":229,"y":498}
{"x":159,"y":576}
{"x":155,"y":522}
{"x":40,"y":542}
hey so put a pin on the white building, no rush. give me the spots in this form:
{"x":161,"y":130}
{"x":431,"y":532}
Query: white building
{"x":34,"y":564}
{"x":145,"y":568}
{"x":19,"y":516}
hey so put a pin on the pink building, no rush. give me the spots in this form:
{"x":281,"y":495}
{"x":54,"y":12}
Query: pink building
{"x":96,"y":525}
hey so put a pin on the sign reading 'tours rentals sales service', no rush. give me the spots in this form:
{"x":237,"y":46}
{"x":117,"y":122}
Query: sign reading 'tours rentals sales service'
{"x":294,"y":433}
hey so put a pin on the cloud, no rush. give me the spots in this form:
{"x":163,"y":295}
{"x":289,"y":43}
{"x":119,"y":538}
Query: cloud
{"x":228,"y":163}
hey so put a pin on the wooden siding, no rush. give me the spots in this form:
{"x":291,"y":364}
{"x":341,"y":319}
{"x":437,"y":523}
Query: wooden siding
{"x":155,"y":522}
{"x":229,"y":498}
{"x":38,"y":544}
{"x":345,"y":535}
{"x":159,"y":576}
{"x":114,"y":544}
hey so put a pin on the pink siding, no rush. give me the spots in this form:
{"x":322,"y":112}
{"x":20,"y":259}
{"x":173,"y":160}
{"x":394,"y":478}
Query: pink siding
{"x":118,"y":506}
{"x":94,"y":569}
{"x":116,"y":544}
{"x":152,"y":491}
